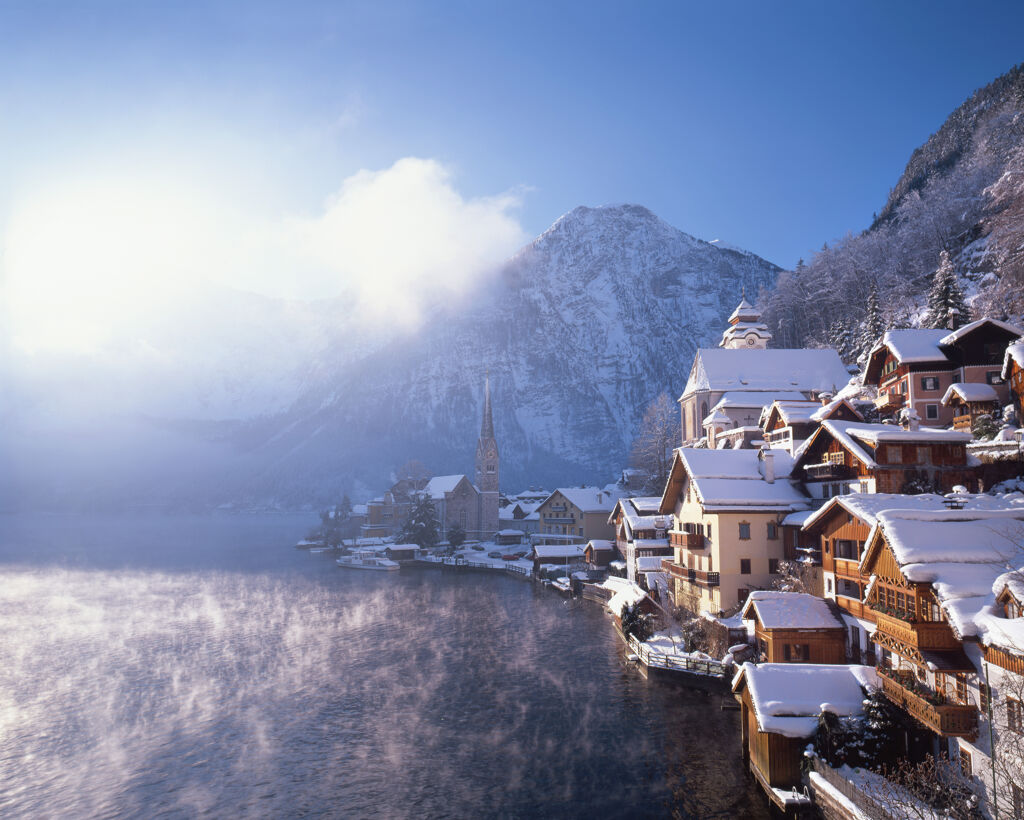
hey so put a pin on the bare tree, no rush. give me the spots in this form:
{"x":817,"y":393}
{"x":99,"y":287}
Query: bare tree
{"x":659,"y":434}
{"x":795,"y":576}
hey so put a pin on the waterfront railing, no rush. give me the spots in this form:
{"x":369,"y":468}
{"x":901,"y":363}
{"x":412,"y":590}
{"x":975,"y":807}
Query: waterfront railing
{"x":678,"y":663}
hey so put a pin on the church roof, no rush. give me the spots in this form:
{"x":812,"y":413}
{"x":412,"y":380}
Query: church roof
{"x":487,"y":426}
{"x":767,"y":370}
{"x":745,"y":312}
{"x":441,"y":484}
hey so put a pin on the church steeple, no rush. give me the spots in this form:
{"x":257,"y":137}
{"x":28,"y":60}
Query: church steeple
{"x":746,"y":331}
{"x":487,"y":427}
{"x":487,"y":467}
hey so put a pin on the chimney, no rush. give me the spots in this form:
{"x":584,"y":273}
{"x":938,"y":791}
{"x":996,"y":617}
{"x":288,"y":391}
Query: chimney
{"x":825,"y":398}
{"x":768,"y":457}
{"x":909,"y":420}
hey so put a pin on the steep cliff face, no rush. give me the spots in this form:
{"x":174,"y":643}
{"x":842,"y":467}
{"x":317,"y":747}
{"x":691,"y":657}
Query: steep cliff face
{"x":580,"y":331}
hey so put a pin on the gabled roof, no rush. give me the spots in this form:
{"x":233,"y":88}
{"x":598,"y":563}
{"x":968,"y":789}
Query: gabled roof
{"x":788,"y":698}
{"x":790,"y":610}
{"x":958,"y":334}
{"x":744,"y":312}
{"x":829,"y":410}
{"x":768,"y":370}
{"x":441,"y":484}
{"x":867,"y":506}
{"x":852,"y":435}
{"x":790,"y":411}
{"x":587,"y":499}
{"x":545,"y":551}
{"x":735,"y":480}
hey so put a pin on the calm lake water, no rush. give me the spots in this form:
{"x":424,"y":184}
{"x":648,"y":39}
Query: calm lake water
{"x":181,"y":666}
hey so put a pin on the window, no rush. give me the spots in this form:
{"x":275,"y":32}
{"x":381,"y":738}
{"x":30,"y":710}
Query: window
{"x":773,"y":566}
{"x":965,"y":762}
{"x":744,"y":566}
{"x":931,"y":411}
{"x":744,"y":532}
{"x":797,"y":652}
{"x":709,"y":530}
{"x":930,"y":383}
{"x":773,"y":531}
{"x":993,"y":377}
{"x":1014,"y":717}
{"x":984,"y":697}
{"x":894,"y":453}
{"x":741,"y":594}
{"x":847,"y":549}
{"x":829,"y":584}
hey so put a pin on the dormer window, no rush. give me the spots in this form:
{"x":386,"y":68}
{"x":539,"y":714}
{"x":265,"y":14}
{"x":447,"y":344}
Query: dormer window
{"x":1013,"y":607}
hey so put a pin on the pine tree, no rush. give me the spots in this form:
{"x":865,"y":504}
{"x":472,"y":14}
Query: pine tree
{"x":946,"y":305}
{"x":871,"y":328}
{"x":421,"y":527}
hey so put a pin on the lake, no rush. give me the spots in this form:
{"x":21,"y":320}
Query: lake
{"x":172,"y":666}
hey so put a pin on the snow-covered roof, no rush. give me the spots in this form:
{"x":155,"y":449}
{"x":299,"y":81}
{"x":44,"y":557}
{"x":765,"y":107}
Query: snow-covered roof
{"x":961,"y":553}
{"x":624,"y":593}
{"x":588,"y":499}
{"x":960,"y":332}
{"x":645,"y":504}
{"x":790,"y":610}
{"x":441,"y":484}
{"x":826,"y":410}
{"x":1015,"y":353}
{"x":651,"y":543}
{"x":731,"y":479}
{"x":851,"y":433}
{"x":970,"y":391}
{"x":867,"y":506}
{"x":544,"y":551}
{"x":788,"y":698}
{"x":766,"y":370}
{"x":511,"y":533}
{"x":649,"y":563}
{"x":752,"y":398}
{"x":599,"y":544}
{"x":914,"y":344}
{"x":795,"y":411}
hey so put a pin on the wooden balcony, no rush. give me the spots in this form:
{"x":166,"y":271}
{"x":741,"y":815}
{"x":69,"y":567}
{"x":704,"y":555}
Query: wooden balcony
{"x":889,"y":401}
{"x":827,"y":471}
{"x":921,"y":635}
{"x":946,"y":719}
{"x":687,"y":540}
{"x":693,"y":576}
{"x":964,"y":423}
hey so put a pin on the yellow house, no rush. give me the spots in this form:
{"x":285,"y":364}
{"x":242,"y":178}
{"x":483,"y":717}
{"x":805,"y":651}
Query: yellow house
{"x":576,"y":514}
{"x":727,"y":507}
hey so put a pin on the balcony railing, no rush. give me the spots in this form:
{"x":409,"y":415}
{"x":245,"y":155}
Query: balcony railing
{"x":694,"y":576}
{"x":928,"y":708}
{"x":922,"y":635}
{"x":827,"y":471}
{"x":963,"y":423}
{"x":712,"y":579}
{"x":687,"y":540}
{"x":555,"y":519}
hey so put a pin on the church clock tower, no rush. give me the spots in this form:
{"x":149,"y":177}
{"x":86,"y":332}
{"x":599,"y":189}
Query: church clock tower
{"x":487,"y":468}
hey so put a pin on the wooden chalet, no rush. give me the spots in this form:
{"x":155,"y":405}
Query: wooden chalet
{"x":795,"y":627}
{"x":780,"y":708}
{"x":640,"y":531}
{"x":915,"y":367}
{"x":844,"y":457}
{"x":599,"y":552}
{"x":931,"y":573}
{"x":969,"y":402}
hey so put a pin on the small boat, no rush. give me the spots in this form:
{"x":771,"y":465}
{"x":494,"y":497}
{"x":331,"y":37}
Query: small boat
{"x":367,"y":559}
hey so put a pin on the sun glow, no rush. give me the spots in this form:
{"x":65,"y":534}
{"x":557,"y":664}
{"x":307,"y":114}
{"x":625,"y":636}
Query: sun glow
{"x":87,"y":259}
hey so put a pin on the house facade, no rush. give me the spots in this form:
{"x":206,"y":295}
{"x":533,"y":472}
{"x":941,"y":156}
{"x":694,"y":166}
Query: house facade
{"x":641,"y":531}
{"x":576,"y":514}
{"x":1012,"y":374}
{"x":726,"y":536}
{"x":795,"y":627}
{"x":915,"y":367}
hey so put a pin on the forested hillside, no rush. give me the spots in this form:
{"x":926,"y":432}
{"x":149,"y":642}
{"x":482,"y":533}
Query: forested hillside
{"x":962,"y":192}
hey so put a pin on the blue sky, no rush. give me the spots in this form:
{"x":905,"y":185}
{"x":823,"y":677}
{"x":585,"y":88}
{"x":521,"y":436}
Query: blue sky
{"x":772,"y":126}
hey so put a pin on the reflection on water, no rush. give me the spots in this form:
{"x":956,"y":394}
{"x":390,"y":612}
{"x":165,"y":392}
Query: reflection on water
{"x":140,"y":674}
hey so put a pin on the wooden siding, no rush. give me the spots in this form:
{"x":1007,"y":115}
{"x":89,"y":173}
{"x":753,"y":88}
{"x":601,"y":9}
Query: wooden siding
{"x":1004,"y":659}
{"x":824,"y":645}
{"x":775,"y":758}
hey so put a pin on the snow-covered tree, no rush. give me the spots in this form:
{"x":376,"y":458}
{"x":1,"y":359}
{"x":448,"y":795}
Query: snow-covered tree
{"x":659,"y":435}
{"x":456,"y":536}
{"x":872,"y":327}
{"x":947,"y":307}
{"x":421,"y":527}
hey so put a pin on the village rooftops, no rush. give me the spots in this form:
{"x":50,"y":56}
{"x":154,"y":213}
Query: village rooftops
{"x":545,"y":552}
{"x":788,"y":698}
{"x":766,"y":370}
{"x":790,"y":610}
{"x":960,"y":553}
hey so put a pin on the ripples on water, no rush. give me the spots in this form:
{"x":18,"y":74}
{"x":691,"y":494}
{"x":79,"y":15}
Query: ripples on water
{"x":141,"y":676}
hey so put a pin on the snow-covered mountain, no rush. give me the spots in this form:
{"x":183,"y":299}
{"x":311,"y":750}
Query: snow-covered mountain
{"x":580,"y":331}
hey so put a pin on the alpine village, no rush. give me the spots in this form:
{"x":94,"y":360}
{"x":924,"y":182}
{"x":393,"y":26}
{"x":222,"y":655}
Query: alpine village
{"x":839,"y":554}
